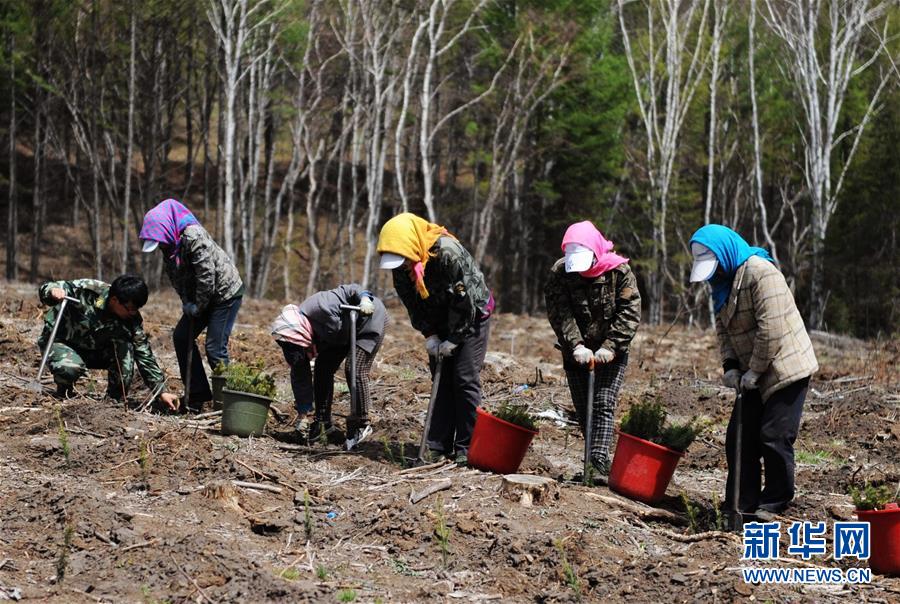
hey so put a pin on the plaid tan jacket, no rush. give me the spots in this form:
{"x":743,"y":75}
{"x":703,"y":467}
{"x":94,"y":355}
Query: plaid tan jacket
{"x":761,"y":328}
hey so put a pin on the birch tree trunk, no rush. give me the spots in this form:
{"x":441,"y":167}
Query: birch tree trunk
{"x":129,"y":152}
{"x":824,"y":52}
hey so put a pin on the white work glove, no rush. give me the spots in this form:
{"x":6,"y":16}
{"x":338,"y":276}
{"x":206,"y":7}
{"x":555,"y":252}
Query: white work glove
{"x":732,"y":378}
{"x":366,"y":306}
{"x":582,"y":354}
{"x":432,"y":344}
{"x":604,"y":356}
{"x":748,"y":382}
{"x":447,"y":348}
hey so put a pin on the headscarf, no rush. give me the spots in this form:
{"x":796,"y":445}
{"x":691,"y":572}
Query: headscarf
{"x":586,"y":234}
{"x":410,"y":236}
{"x":165,"y":223}
{"x":292,"y":326}
{"x":731,"y":251}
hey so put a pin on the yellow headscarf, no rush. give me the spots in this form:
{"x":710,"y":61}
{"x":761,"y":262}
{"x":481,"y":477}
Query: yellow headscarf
{"x":410,"y":236}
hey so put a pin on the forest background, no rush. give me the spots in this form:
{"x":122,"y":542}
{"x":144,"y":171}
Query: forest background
{"x":294,"y":129}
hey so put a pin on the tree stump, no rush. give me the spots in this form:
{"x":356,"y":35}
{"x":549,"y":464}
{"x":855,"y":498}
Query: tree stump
{"x":528,"y":489}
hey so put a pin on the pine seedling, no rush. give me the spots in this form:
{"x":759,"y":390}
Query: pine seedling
{"x":871,"y":497}
{"x":144,"y":459}
{"x":441,"y":531}
{"x":307,"y":515}
{"x":644,"y":420}
{"x":62,"y":561}
{"x":720,"y":518}
{"x":518,"y":415}
{"x":569,"y":574}
{"x":346,"y":595}
{"x":692,"y":512}
{"x":63,"y":435}
{"x":321,"y":573}
{"x":388,"y":453}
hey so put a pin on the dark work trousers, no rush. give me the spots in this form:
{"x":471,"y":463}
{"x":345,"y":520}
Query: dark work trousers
{"x":769,"y":432}
{"x":459,"y":394}
{"x":317,"y":384}
{"x":608,"y":379}
{"x":218,"y":321}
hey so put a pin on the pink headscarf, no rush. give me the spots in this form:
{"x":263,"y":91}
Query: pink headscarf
{"x":586,"y":234}
{"x":293,"y":326}
{"x":165,"y":223}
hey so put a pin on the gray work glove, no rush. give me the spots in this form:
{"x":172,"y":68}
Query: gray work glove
{"x":604,"y":355}
{"x":582,"y":354}
{"x":190,"y":309}
{"x":446,"y":349}
{"x":366,"y":306}
{"x":732,"y":378}
{"x":749,"y":381}
{"x":432,"y":344}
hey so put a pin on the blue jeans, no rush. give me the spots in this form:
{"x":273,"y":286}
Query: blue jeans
{"x":218,"y":321}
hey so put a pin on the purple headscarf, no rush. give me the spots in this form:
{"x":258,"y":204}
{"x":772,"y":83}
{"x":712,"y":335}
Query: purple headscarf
{"x":166,"y":222}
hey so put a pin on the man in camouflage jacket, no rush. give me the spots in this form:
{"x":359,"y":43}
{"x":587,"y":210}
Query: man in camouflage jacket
{"x":104,"y":330}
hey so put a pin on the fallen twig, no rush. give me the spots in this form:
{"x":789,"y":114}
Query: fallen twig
{"x":256,"y":485}
{"x":639,"y":509}
{"x":191,"y":579}
{"x":416,"y":497}
{"x":429,"y":466}
{"x":139,"y":545}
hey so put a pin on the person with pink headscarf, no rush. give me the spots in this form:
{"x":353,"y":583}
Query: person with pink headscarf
{"x":594,"y":306}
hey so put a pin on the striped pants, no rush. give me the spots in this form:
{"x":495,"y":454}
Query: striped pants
{"x":608,"y":381}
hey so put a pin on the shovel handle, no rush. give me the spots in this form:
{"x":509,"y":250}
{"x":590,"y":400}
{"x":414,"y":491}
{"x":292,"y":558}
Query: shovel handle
{"x":588,"y":423}
{"x":435,"y":384}
{"x":59,"y":315}
{"x":350,"y":307}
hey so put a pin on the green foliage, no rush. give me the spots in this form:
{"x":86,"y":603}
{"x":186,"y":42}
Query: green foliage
{"x":63,"y":435}
{"x":871,"y":497}
{"x":144,"y":458}
{"x":290,"y":573}
{"x":307,"y":515}
{"x":251,"y":379}
{"x":680,"y":436}
{"x":220,"y":368}
{"x":692,"y":512}
{"x":442,"y":531}
{"x":569,"y":574}
{"x":517,"y":414}
{"x":346,"y":595}
{"x":62,"y":560}
{"x":646,"y":420}
{"x":321,"y":572}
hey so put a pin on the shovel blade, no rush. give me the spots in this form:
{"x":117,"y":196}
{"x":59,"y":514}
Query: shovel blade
{"x":361,"y":435}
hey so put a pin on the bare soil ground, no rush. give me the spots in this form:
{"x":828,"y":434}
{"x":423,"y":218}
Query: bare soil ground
{"x":143,"y":508}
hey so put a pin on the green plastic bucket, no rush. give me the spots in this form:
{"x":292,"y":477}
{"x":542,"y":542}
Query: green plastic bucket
{"x":218,"y":383}
{"x":244,"y":414}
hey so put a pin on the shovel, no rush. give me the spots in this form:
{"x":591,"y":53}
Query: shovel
{"x":435,"y":384}
{"x":190,"y":362}
{"x":355,"y":439}
{"x":589,"y":425}
{"x":737,"y":516}
{"x":36,"y":385}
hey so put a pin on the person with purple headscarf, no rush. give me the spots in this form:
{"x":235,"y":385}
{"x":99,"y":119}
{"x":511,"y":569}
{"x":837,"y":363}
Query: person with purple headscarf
{"x":208,"y":283}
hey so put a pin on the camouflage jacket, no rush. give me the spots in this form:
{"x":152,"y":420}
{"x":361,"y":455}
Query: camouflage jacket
{"x":88,"y":326}
{"x":206,"y":275}
{"x":604,"y":311}
{"x":331,"y":325}
{"x":457,"y":293}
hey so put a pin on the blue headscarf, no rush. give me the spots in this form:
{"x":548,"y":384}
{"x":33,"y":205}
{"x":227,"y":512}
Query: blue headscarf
{"x":731,"y":251}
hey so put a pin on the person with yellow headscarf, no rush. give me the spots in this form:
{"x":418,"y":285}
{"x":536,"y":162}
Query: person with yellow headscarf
{"x":449,"y":303}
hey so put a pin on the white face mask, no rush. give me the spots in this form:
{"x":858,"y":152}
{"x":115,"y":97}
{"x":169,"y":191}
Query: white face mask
{"x":705,"y":262}
{"x":578,"y":258}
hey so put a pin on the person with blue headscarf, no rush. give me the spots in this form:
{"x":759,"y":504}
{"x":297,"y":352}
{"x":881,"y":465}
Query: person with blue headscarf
{"x":767,"y":354}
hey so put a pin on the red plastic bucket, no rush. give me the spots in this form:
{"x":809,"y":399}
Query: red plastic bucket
{"x":498,"y":446}
{"x":641,"y":469}
{"x":884,"y":528}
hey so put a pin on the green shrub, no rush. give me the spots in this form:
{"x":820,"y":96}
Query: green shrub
{"x":517,"y":414}
{"x":220,"y":368}
{"x":680,"y":436}
{"x":871,"y":497}
{"x":251,"y":379}
{"x":647,"y":420}
{"x":644,"y":420}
